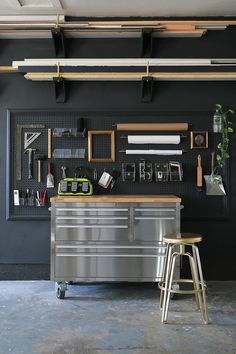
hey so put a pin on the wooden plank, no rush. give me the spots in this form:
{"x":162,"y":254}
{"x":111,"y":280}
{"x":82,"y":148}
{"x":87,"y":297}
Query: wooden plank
{"x":7,"y":69}
{"x":199,"y":171}
{"x":114,"y":76}
{"x":118,"y":198}
{"x":152,"y":126}
{"x":49,"y":143}
{"x":113,"y":24}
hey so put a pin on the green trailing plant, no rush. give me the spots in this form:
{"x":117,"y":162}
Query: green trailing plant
{"x":223,"y":147}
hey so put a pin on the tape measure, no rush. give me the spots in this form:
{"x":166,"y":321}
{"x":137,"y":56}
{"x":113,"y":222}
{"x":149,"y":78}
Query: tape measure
{"x":75,"y":186}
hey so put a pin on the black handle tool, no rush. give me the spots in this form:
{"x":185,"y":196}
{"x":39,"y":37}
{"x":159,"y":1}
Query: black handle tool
{"x":30,"y":162}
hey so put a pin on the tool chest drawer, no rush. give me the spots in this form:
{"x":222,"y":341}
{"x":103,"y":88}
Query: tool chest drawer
{"x":109,"y":267}
{"x":112,"y":232}
{"x":152,"y":221}
{"x":90,"y":209}
{"x":92,"y":222}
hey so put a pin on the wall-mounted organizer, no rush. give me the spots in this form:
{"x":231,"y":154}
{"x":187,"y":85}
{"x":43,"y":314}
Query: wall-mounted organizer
{"x":196,"y":203}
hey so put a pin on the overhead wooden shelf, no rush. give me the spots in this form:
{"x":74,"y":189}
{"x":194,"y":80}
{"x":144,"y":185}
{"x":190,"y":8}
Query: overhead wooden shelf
{"x":144,"y":70}
{"x":40,"y":28}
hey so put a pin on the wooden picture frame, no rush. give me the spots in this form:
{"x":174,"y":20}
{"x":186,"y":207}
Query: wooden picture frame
{"x":199,"y":139}
{"x":91,"y":158}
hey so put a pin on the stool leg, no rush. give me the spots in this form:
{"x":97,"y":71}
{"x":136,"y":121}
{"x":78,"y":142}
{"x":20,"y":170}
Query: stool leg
{"x":169,"y":286}
{"x":196,"y":285}
{"x":165,"y":272}
{"x":195,"y":281}
{"x":195,"y":257}
{"x":202,"y":283}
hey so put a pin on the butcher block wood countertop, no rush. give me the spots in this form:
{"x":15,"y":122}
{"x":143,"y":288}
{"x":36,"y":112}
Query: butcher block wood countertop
{"x":118,"y":198}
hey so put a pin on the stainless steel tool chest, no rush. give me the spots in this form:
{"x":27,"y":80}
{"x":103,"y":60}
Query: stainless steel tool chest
{"x":110,"y":240}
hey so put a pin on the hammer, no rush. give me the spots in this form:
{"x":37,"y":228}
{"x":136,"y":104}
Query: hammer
{"x":40,"y":159}
{"x":30,"y":162}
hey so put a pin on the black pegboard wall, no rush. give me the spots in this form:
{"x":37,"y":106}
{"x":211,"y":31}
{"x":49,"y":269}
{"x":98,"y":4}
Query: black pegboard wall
{"x":197,"y":204}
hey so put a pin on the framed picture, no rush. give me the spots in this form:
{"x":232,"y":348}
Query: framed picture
{"x":199,"y":140}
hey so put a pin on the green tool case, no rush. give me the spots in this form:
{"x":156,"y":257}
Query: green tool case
{"x":75,"y":186}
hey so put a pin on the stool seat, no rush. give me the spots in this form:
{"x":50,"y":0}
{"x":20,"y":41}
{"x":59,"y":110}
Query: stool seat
{"x":182,"y":238}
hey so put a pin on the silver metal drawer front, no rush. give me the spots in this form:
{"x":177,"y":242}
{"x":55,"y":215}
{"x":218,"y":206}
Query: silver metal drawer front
{"x":109,"y":268}
{"x":75,"y":250}
{"x":152,"y":229}
{"x":82,"y":210}
{"x":93,"y":234}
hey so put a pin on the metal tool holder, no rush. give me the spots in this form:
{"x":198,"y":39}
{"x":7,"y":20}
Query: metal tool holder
{"x":197,"y":204}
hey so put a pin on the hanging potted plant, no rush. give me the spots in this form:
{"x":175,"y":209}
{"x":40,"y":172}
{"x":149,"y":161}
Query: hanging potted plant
{"x":214,"y":184}
{"x":223,"y":147}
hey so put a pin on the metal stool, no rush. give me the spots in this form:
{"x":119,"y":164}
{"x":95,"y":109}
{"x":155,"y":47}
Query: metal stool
{"x":176,"y":248}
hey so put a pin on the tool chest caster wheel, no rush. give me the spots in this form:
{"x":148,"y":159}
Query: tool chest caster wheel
{"x":61,"y":288}
{"x":60,"y":294}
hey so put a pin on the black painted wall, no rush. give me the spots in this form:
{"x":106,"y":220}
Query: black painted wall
{"x":25,"y":246}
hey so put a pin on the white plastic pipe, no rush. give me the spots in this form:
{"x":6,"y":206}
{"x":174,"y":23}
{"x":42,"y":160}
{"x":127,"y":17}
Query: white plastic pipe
{"x":153,"y":139}
{"x":154,"y":152}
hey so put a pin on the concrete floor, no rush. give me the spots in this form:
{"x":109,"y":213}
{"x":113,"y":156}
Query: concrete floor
{"x":112,"y":318}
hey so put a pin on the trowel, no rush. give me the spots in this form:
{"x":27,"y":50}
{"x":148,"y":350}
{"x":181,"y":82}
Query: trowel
{"x":214,"y":184}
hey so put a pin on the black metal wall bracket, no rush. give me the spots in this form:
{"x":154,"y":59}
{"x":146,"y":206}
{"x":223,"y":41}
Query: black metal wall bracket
{"x":146,"y":42}
{"x":59,"y":42}
{"x":60,"y":89}
{"x":147,"y":88}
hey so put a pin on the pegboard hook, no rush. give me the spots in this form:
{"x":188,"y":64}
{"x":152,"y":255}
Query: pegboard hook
{"x":60,"y":86}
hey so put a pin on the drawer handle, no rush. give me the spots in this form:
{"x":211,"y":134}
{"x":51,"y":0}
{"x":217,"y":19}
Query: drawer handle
{"x":111,"y":247}
{"x":90,"y":209}
{"x":92,"y":226}
{"x":150,"y":209}
{"x":110,"y":255}
{"x":91,"y":218}
{"x":154,"y":218}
